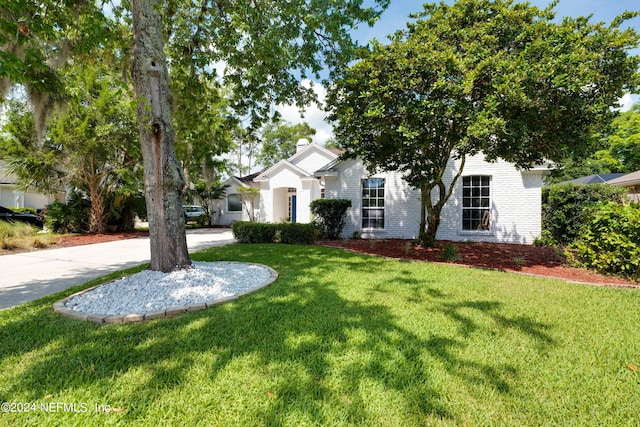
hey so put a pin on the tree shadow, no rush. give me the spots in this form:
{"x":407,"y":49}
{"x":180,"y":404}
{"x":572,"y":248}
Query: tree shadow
{"x":323,"y":347}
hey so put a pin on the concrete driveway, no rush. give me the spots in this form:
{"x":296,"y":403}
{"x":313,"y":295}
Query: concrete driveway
{"x":31,"y":275}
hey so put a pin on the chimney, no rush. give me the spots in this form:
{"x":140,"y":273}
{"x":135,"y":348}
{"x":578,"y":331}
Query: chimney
{"x":302,"y":142}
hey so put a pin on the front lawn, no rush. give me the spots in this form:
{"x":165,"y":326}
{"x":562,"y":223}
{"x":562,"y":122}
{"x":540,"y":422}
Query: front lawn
{"x":338,"y":339}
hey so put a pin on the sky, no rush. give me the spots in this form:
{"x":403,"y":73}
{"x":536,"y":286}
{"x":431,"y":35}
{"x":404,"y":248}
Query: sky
{"x":397,"y":15}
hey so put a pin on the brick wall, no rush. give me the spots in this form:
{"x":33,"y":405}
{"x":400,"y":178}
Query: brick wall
{"x":515,"y":203}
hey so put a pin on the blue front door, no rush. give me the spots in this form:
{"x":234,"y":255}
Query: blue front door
{"x":293,"y":208}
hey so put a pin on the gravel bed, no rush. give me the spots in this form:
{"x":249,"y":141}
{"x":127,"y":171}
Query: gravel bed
{"x":150,"y":291}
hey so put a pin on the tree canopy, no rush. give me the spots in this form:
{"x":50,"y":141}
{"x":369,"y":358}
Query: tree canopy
{"x":279,"y":141}
{"x":496,"y":77}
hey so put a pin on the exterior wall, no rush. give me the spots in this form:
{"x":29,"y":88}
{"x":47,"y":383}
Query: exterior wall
{"x":515,"y":203}
{"x":222,"y":216}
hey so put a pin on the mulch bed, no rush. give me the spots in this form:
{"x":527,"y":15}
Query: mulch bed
{"x":528,"y":259}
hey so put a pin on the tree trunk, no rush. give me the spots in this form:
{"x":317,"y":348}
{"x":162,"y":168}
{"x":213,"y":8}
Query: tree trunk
{"x":429,"y":218}
{"x":430,"y":212}
{"x":96,"y":214}
{"x":163,"y":177}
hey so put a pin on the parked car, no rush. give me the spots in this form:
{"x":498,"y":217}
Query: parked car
{"x":195,"y":213}
{"x":7,"y":214}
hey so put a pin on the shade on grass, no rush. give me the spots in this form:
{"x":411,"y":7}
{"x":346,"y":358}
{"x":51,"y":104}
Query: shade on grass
{"x":339,"y":339}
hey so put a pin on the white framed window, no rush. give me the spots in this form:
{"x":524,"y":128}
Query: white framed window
{"x":476,"y":203}
{"x":234,"y":204}
{"x":373,"y":203}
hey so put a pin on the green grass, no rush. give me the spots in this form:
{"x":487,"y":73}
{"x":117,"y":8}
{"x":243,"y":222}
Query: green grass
{"x":340,"y":339}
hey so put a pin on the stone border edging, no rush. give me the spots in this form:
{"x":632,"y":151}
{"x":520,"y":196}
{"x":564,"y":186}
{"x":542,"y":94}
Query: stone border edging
{"x":63,"y":310}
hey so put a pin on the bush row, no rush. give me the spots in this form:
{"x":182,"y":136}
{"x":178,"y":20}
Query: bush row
{"x":257,"y":232}
{"x":288,"y":232}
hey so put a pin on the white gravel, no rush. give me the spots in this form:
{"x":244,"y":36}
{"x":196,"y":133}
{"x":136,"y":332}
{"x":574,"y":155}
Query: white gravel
{"x":150,"y":291}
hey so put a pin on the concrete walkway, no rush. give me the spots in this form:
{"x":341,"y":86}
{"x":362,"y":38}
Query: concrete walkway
{"x":31,"y":275}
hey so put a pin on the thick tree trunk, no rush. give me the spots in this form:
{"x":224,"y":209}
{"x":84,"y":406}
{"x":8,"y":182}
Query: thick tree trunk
{"x":163,"y":178}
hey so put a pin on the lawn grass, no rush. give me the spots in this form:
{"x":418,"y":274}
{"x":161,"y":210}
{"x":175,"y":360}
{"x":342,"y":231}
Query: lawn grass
{"x":339,"y":339}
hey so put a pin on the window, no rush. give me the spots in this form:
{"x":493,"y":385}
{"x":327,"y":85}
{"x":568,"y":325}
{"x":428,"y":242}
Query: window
{"x":233,"y":203}
{"x":476,"y":205}
{"x":373,"y":203}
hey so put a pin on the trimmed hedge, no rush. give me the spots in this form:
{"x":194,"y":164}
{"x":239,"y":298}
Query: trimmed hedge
{"x":329,"y":215}
{"x":610,"y":239}
{"x":288,"y":232}
{"x":564,"y":205}
{"x":254,"y":232}
{"x":297,"y":234}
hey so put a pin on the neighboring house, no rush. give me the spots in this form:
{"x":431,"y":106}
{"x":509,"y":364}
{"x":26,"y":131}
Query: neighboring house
{"x":632,"y":182}
{"x":10,"y":196}
{"x":599,"y":178}
{"x":492,"y":202}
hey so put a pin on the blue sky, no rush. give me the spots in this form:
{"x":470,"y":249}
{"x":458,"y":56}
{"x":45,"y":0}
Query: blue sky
{"x":397,"y":15}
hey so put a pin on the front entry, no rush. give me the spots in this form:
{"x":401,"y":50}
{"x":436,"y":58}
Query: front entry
{"x":292,"y":207}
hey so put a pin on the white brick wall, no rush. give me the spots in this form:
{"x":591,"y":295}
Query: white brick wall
{"x":515,"y":203}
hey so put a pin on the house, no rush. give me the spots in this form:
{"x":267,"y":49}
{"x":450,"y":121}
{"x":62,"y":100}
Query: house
{"x":11,"y":196}
{"x":632,"y":182}
{"x":286,"y":188}
{"x":492,"y":202}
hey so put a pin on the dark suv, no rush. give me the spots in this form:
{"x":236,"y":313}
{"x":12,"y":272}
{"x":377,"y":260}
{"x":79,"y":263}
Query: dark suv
{"x":7,"y":214}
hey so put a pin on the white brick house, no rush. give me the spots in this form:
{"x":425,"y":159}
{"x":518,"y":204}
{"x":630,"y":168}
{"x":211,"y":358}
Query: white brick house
{"x":492,"y":202}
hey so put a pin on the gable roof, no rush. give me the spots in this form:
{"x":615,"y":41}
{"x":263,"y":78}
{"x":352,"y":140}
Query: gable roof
{"x":290,"y":163}
{"x":311,"y":147}
{"x":281,"y":165}
{"x":627,"y":180}
{"x":594,"y":179}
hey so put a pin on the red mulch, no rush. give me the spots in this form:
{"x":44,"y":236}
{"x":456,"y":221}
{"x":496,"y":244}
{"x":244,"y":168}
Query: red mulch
{"x":528,"y":259}
{"x":90,"y":238}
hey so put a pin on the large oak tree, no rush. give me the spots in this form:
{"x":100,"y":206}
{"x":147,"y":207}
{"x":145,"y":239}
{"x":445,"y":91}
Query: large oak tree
{"x":491,"y":76}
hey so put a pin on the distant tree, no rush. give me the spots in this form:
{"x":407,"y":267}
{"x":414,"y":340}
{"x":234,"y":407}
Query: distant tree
{"x":496,"y":77}
{"x":617,"y":150}
{"x":622,"y":152}
{"x":279,"y":140}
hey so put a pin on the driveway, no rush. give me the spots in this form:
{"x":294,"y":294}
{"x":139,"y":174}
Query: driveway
{"x":31,"y":275}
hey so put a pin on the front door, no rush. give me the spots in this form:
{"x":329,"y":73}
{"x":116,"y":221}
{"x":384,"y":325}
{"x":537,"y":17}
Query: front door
{"x":292,"y":207}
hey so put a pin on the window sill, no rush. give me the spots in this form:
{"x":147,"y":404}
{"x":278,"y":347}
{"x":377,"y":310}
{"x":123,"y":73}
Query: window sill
{"x":476,"y":233}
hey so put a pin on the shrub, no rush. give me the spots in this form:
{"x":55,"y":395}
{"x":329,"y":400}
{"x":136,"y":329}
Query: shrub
{"x":564,"y":205}
{"x":297,"y":234}
{"x":72,"y":217}
{"x":610,"y":239}
{"x":329,"y":216}
{"x":254,"y":232}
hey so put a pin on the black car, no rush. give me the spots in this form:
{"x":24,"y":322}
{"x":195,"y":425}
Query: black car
{"x":9,"y":215}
